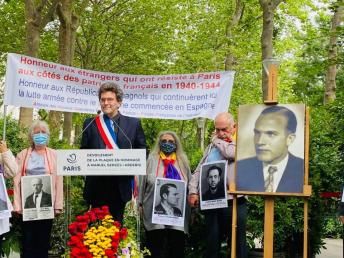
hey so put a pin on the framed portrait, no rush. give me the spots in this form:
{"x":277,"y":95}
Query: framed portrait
{"x":270,"y":149}
{"x":169,"y":202}
{"x":213,"y":185}
{"x":5,"y":204}
{"x":37,"y":197}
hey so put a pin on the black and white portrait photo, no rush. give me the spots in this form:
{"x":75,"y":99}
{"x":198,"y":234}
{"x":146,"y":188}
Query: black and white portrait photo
{"x":5,"y":211}
{"x":169,"y":202}
{"x":270,"y":148}
{"x":37,"y":197}
{"x":213,"y":185}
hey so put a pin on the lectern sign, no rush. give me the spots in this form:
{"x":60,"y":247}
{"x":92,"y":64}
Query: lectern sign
{"x":101,"y":162}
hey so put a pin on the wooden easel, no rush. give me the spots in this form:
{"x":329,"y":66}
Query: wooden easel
{"x":270,"y":197}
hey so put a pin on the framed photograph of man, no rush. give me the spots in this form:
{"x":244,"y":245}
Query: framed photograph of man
{"x":37,"y":201}
{"x":5,"y":204}
{"x":270,"y":149}
{"x":213,"y":185}
{"x":169,"y":202}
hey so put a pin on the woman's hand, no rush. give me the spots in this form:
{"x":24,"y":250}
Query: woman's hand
{"x":3,"y":147}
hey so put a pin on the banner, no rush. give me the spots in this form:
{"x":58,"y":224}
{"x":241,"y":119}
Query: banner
{"x":35,"y":83}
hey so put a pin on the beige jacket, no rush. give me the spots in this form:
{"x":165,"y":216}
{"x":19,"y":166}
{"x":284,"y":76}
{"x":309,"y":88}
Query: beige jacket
{"x":9,"y":162}
{"x":50,"y":165}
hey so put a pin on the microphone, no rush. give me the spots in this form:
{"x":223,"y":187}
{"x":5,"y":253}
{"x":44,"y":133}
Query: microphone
{"x":125,"y":135}
{"x":83,"y":130}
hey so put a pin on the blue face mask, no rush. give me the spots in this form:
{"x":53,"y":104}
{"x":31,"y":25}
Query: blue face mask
{"x":168,"y":147}
{"x":40,"y":139}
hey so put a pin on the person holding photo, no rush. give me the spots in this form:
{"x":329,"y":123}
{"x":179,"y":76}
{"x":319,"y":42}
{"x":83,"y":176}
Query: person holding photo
{"x":166,"y":160}
{"x":218,"y":221}
{"x":9,"y":168}
{"x":37,"y":160}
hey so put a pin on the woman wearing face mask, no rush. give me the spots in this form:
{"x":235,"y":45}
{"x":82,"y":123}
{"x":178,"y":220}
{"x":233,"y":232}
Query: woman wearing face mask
{"x":166,"y":160}
{"x":38,"y":159}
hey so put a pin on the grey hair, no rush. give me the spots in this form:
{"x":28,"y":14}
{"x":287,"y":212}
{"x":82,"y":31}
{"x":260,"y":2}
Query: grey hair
{"x":182,"y":159}
{"x":38,"y":123}
{"x":226,"y":115}
{"x":112,"y":87}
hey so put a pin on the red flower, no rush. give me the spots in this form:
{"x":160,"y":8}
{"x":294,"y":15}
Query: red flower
{"x":116,"y":237}
{"x":123,"y":233}
{"x":117,"y":224}
{"x":109,"y":253}
{"x":83,"y":226}
{"x":72,"y":228}
{"x":105,"y":209}
{"x":10,"y":192}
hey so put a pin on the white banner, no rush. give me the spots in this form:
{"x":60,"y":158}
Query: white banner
{"x":35,"y":83}
{"x":101,"y":162}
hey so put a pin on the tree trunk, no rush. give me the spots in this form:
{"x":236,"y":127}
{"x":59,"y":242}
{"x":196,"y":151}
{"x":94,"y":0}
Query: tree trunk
{"x":269,"y":7}
{"x":35,"y":22}
{"x":330,"y":80}
{"x":67,"y":35}
{"x":232,"y":23}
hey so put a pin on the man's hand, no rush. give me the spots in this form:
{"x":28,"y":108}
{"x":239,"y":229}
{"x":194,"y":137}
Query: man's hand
{"x":193,"y":200}
{"x":3,"y":146}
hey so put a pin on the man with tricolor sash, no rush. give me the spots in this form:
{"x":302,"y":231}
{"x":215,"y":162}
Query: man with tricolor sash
{"x":111,"y":130}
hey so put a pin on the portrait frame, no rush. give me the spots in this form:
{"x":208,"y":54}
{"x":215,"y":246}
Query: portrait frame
{"x":159,"y":216}
{"x":249,"y":177}
{"x":29,"y":211}
{"x":220,"y":199}
{"x":5,"y":203}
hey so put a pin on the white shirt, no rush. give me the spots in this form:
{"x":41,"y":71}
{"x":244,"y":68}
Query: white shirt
{"x":278,"y":174}
{"x":38,"y":200}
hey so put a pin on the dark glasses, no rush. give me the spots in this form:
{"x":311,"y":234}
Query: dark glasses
{"x":165,"y":141}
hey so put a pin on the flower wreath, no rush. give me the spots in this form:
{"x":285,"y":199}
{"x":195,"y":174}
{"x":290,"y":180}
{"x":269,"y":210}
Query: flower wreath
{"x":96,"y":234}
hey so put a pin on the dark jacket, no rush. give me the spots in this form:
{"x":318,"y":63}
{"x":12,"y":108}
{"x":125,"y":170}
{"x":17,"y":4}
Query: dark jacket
{"x":45,"y":201}
{"x":101,"y":190}
{"x":250,"y":176}
{"x":159,"y":209}
{"x":219,"y":194}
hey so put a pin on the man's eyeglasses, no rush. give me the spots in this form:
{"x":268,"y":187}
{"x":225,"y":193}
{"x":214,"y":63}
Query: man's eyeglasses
{"x":165,"y":141}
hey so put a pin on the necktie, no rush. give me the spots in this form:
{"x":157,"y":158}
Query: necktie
{"x":269,"y":182}
{"x":36,"y":196}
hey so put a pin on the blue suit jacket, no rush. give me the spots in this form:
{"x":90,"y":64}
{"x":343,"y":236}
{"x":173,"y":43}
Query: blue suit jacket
{"x":103,"y":190}
{"x":250,"y":176}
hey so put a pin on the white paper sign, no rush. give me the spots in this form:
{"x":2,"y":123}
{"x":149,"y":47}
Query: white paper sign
{"x":35,"y":83}
{"x":101,"y":162}
{"x":5,"y":204}
{"x":213,"y":185}
{"x":37,"y":197}
{"x":169,"y":202}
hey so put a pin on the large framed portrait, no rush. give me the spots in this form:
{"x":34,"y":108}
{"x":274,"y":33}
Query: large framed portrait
{"x":213,"y":185}
{"x":270,"y":149}
{"x":5,"y":204}
{"x":37,"y":201}
{"x":169,"y":202}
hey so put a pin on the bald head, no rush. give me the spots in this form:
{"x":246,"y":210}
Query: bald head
{"x":37,"y":185}
{"x":224,"y":125}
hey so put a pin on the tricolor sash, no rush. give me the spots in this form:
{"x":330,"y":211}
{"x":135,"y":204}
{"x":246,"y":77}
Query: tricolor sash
{"x":106,"y":131}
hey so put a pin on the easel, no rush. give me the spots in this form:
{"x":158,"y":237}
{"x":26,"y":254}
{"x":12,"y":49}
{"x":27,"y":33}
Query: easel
{"x":272,"y":70}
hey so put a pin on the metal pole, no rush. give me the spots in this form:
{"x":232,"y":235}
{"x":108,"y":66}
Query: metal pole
{"x":4,"y":128}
